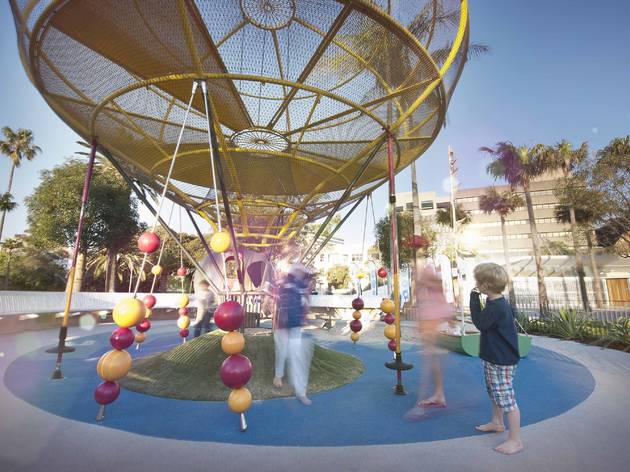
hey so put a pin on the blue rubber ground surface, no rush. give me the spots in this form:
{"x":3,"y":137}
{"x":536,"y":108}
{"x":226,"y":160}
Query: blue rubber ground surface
{"x":362,"y":413}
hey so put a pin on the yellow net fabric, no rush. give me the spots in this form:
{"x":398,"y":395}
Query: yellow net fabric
{"x":304,"y":92}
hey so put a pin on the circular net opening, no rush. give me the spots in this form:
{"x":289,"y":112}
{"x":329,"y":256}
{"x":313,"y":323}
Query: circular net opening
{"x":260,"y":139}
{"x":268,"y":14}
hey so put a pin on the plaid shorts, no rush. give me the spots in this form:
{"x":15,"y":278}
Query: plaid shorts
{"x":499,"y":384}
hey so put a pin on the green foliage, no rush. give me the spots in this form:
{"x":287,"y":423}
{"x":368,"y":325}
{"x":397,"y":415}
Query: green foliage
{"x":502,"y":203}
{"x":338,"y":276}
{"x":111,"y":217}
{"x":18,"y":145}
{"x":382,"y":232}
{"x":444,"y":216}
{"x":31,"y":268}
{"x":7,"y":203}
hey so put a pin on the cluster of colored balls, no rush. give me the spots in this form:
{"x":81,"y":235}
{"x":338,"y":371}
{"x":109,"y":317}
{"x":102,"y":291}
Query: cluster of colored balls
{"x":115,"y":364}
{"x":387,"y":307}
{"x":236,"y":369}
{"x":183,"y":322}
{"x":355,"y":324}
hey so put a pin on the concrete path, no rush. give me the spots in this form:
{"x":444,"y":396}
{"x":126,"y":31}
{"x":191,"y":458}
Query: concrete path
{"x":594,"y":436}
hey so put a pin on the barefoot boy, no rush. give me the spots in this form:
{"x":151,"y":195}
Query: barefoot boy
{"x":499,"y":353}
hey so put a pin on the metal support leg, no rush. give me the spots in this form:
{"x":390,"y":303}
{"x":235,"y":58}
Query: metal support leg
{"x":63,"y":331}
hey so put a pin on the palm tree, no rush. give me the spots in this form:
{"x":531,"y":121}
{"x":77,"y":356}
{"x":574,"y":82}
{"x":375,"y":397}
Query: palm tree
{"x":563,"y":157}
{"x":16,"y":146}
{"x":519,"y":166}
{"x":443,"y":216}
{"x":10,"y":245}
{"x":7,"y":203}
{"x":502,"y":203}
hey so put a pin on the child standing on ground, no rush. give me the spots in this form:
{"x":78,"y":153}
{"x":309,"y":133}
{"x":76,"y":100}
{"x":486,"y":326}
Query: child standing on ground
{"x":498,"y":352}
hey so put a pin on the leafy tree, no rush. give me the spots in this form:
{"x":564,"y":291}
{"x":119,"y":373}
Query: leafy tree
{"x":503,"y":204}
{"x":10,"y":245}
{"x":338,"y":276}
{"x":111,"y":216}
{"x":7,"y":203}
{"x":563,"y":157}
{"x":17,"y":145}
{"x":31,"y":268}
{"x":406,"y":254}
{"x":519,"y":166}
{"x":444,"y":216}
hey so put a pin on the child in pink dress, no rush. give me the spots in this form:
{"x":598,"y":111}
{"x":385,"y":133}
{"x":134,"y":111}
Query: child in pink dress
{"x":432,"y":310}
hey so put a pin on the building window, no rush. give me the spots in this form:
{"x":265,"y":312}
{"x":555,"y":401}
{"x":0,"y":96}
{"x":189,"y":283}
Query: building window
{"x":409,"y":206}
{"x":427,"y":205}
{"x":399,"y":209}
{"x":445,"y":205}
{"x":356,"y":258}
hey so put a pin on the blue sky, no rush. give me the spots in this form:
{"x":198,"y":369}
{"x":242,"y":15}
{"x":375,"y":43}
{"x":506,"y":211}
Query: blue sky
{"x":557,"y":70}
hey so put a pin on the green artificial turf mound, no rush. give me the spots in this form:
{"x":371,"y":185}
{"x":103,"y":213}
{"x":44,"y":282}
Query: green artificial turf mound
{"x":190,"y":371}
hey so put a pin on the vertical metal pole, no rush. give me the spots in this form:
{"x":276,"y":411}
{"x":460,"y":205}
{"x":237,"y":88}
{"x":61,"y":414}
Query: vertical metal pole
{"x":458,"y":264}
{"x":398,"y":364}
{"x":63,"y":331}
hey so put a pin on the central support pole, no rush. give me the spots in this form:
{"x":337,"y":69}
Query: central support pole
{"x":398,"y":365}
{"x":63,"y":331}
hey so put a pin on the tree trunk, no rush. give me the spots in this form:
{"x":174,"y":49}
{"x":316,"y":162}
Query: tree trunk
{"x":597,"y":283}
{"x":78,"y":273}
{"x":4,"y":213}
{"x":508,"y":265}
{"x":543,"y":302}
{"x":417,"y":228}
{"x":110,"y":273}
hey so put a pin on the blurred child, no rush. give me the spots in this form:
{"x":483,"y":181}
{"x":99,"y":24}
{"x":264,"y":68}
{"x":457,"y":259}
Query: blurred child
{"x":205,"y":308}
{"x":432,"y":311}
{"x":290,"y":346}
{"x":498,"y":352}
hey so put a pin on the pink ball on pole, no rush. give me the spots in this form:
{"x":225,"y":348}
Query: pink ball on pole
{"x":357,"y":304}
{"x":355,"y":326}
{"x":106,"y":392}
{"x":183,"y":311}
{"x":236,"y":371}
{"x":392,"y":345}
{"x":382,"y":272}
{"x":184,"y":332}
{"x":143,"y":326}
{"x":389,"y":318}
{"x":149,"y":301}
{"x":182,"y":271}
{"x":148,"y":242}
{"x":229,"y":315}
{"x":121,"y":338}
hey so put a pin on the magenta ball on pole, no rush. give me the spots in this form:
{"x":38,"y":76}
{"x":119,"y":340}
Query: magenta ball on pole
{"x":106,"y":392}
{"x":389,"y":318}
{"x":229,"y":315}
{"x":355,"y":326}
{"x":143,"y":326}
{"x":236,"y":371}
{"x":183,"y":311}
{"x":149,"y":301}
{"x":149,"y":242}
{"x":382,"y":272}
{"x":184,"y":332}
{"x":121,"y":338}
{"x":392,"y":345}
{"x":357,"y":304}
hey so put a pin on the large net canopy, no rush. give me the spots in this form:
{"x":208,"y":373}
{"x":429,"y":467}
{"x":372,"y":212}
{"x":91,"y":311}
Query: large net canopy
{"x":304,"y":93}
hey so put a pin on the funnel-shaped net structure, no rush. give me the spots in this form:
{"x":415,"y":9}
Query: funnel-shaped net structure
{"x":304,"y":93}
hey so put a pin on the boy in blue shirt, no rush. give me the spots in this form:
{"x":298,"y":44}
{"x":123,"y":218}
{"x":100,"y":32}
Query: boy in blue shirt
{"x":498,"y":351}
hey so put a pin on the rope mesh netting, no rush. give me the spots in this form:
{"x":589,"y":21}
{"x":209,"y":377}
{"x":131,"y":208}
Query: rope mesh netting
{"x":304,"y":93}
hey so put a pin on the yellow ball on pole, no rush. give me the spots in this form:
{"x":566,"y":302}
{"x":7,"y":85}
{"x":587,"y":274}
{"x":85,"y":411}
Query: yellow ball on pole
{"x":390,"y":331}
{"x":183,"y":322}
{"x":240,"y":400}
{"x":156,"y":270}
{"x":220,"y":241}
{"x":387,"y":306}
{"x":355,"y":337}
{"x":183,"y":300}
{"x":356,"y":315}
{"x":232,"y":343}
{"x":113,"y":365}
{"x":128,"y":312}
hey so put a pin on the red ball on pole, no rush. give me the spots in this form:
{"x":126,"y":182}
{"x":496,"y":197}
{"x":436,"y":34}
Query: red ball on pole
{"x":184,"y":332}
{"x":382,"y":272}
{"x":148,"y":242}
{"x":236,"y":370}
{"x":143,"y":326}
{"x":121,"y":338}
{"x":106,"y":392}
{"x":357,"y":304}
{"x":182,"y":271}
{"x":229,"y":315}
{"x":183,"y":311}
{"x":392,"y":345}
{"x":389,"y":318}
{"x":149,"y":301}
{"x":355,"y":326}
